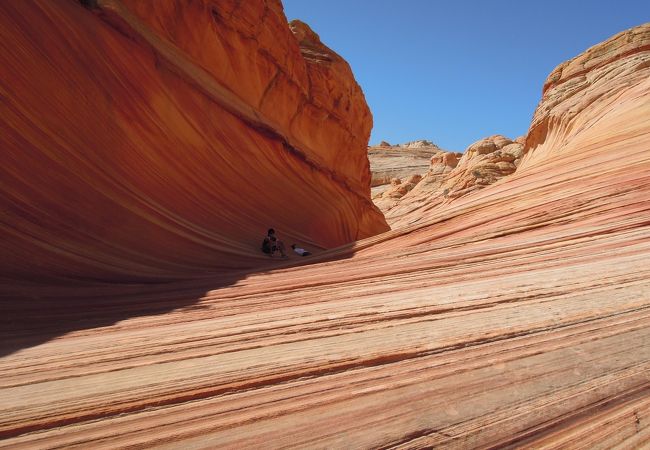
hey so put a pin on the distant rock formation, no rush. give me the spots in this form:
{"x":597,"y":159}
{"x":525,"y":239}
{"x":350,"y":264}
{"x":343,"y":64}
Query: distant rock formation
{"x":388,"y":162}
{"x":401,"y":161}
{"x":442,"y":163}
{"x":418,"y":144}
{"x":396,"y":190}
{"x":452,"y":175}
{"x":483,"y":163}
{"x":384,"y":144}
{"x":193,"y":124}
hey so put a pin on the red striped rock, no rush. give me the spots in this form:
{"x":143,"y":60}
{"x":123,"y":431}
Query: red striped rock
{"x":132,"y":163}
{"x":515,"y":316}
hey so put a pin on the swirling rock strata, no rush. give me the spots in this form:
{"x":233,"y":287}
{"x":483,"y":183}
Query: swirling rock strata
{"x":149,"y":141}
{"x":516,"y":316}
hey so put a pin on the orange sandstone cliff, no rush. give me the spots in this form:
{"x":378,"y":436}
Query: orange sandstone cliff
{"x":515,"y":316}
{"x":151,"y":141}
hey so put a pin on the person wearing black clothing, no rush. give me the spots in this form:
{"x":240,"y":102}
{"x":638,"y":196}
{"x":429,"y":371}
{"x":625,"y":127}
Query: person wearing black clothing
{"x":272,"y":244}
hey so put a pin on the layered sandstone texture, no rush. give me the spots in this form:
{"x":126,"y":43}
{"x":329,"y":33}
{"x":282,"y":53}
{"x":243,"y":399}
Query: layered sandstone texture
{"x":396,"y":190}
{"x":517,"y":316}
{"x":452,"y":175}
{"x":388,"y":162}
{"x":149,"y":141}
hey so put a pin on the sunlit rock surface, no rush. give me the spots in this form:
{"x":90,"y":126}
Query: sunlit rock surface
{"x":421,"y":143}
{"x":516,"y":315}
{"x":388,"y":162}
{"x":453,"y":175}
{"x":397,"y":189}
{"x":151,"y":141}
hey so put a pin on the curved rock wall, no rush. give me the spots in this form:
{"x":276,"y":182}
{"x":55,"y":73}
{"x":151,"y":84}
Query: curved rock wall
{"x":313,"y":100}
{"x":587,"y":97}
{"x":154,"y":141}
{"x":516,"y":316}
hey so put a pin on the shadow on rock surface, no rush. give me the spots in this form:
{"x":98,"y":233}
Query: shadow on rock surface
{"x":32,"y":315}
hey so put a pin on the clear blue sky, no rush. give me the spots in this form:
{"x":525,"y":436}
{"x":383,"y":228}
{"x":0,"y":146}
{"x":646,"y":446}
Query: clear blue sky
{"x":457,"y":71}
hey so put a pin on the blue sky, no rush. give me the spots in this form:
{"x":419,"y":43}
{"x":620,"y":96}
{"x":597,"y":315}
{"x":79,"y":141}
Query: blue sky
{"x":455,"y":72}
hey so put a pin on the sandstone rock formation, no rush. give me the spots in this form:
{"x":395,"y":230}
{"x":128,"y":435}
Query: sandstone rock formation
{"x":388,"y":162}
{"x":517,"y":316}
{"x":483,"y":163}
{"x":193,"y":124}
{"x":452,"y":175}
{"x":397,"y":190}
{"x":422,"y":143}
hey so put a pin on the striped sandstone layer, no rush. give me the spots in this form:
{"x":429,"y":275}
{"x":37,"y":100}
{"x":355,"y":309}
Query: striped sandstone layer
{"x":517,"y":315}
{"x":388,"y":163}
{"x":151,"y":141}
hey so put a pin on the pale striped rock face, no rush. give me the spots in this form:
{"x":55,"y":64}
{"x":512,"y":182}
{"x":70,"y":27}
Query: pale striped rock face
{"x":516,"y":315}
{"x":390,"y":162}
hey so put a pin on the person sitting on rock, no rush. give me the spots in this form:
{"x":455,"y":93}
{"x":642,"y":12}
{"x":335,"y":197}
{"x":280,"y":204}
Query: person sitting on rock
{"x":274,"y":244}
{"x":300,"y":251}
